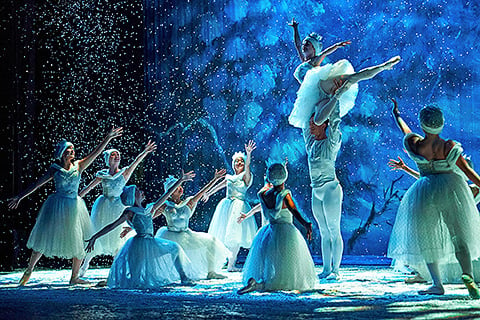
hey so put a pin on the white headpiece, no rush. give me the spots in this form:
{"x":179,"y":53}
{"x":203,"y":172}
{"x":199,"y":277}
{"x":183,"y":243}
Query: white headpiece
{"x":237,"y":155}
{"x":431,"y":119}
{"x":61,"y":147}
{"x":107,"y":154}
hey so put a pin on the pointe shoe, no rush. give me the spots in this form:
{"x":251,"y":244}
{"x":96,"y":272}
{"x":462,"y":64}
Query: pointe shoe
{"x":251,"y":286}
{"x":187,"y":282}
{"x":324,"y":274}
{"x":435,"y":290}
{"x":472,"y":287}
{"x":24,"y":279}
{"x":234,"y":269}
{"x":213,"y":275}
{"x":334,"y":276}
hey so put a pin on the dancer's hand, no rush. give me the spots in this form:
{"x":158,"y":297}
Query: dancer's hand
{"x":187,"y":176}
{"x":125,"y":231}
{"x":293,"y":24}
{"x":90,"y":244}
{"x":250,"y":147}
{"x":309,"y":231}
{"x":390,"y":63}
{"x":219,"y":174}
{"x":242,"y":217}
{"x":14,"y":202}
{"x":397,"y":165}
{"x":343,"y":44}
{"x":205,"y":197}
{"x":114,"y":133}
{"x":150,"y":147}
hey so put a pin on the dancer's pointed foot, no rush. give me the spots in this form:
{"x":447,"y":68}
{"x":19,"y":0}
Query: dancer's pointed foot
{"x":78,"y":281}
{"x":102,"y":283}
{"x":251,"y":286}
{"x":213,"y":275}
{"x":436,"y":290}
{"x":26,"y":276}
{"x":187,"y":282}
{"x":472,"y":287}
{"x":415,"y":279}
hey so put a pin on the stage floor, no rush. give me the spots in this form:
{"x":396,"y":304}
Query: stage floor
{"x":363,"y":292}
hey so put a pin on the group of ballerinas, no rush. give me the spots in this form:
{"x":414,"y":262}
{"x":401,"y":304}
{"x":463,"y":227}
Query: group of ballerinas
{"x":436,"y":222}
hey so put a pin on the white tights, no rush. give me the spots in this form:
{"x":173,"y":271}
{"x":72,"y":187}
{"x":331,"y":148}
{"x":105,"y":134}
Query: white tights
{"x":327,"y":210}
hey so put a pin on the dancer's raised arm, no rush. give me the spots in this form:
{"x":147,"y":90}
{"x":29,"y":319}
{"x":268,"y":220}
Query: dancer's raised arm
{"x":185,"y":177}
{"x":248,"y":149}
{"x":219,"y":174}
{"x":85,"y":162}
{"x":398,"y":119}
{"x":149,"y":148}
{"x":400,"y":165}
{"x":297,"y":40}
{"x":90,"y":186}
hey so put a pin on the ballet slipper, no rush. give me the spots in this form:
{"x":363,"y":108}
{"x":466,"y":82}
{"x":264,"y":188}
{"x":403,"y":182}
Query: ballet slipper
{"x":102,"y":283}
{"x":78,"y":281}
{"x":26,"y":276}
{"x":251,"y":286}
{"x":324,"y":274}
{"x":415,"y":279}
{"x":187,"y":282}
{"x":435,"y":290}
{"x":472,"y":287}
{"x":213,"y":275}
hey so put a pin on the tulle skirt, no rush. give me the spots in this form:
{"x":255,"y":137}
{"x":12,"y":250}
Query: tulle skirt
{"x":224,"y":225}
{"x":280,"y":258}
{"x":310,"y":92}
{"x":105,"y":211}
{"x":145,"y":262}
{"x":204,"y":251}
{"x":436,"y":217}
{"x":61,"y":228}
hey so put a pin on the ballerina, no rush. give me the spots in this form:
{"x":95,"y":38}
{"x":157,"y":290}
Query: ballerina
{"x":108,"y":206}
{"x":63,"y":222}
{"x":144,"y":262}
{"x":224,"y":225}
{"x":279,"y":258}
{"x":437,"y":220}
{"x":206,"y":252}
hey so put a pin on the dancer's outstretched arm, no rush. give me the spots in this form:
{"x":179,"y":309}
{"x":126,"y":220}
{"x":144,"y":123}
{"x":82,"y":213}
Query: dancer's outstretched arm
{"x":90,"y":186}
{"x":400,"y":165}
{"x":255,"y":209}
{"x":398,"y":119}
{"x":220,"y":185}
{"x":293,"y":209}
{"x":85,"y":162}
{"x":185,"y":177}
{"x":149,"y":148}
{"x":15,"y":201}
{"x":468,"y":170}
{"x":247,"y":177}
{"x":219,"y":174}
{"x":127,"y":214}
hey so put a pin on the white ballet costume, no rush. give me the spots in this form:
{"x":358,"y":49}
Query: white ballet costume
{"x":206,"y":253}
{"x":437,"y":215}
{"x":145,"y":262}
{"x":106,"y":209}
{"x":327,"y":194}
{"x":63,"y":223}
{"x":224,"y":225}
{"x":279,"y":257}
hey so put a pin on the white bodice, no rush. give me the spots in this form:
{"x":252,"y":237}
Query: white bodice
{"x":142,"y":221}
{"x":66,"y":181}
{"x":236,"y":187}
{"x":112,"y":185}
{"x":178,"y":215}
{"x":276,"y":214}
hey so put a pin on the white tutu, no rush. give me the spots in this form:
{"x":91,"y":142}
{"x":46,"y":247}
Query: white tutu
{"x":310,"y":92}
{"x":436,"y":216}
{"x":144,"y":263}
{"x":61,"y":228}
{"x":105,"y":210}
{"x":224,"y":225}
{"x":204,"y":251}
